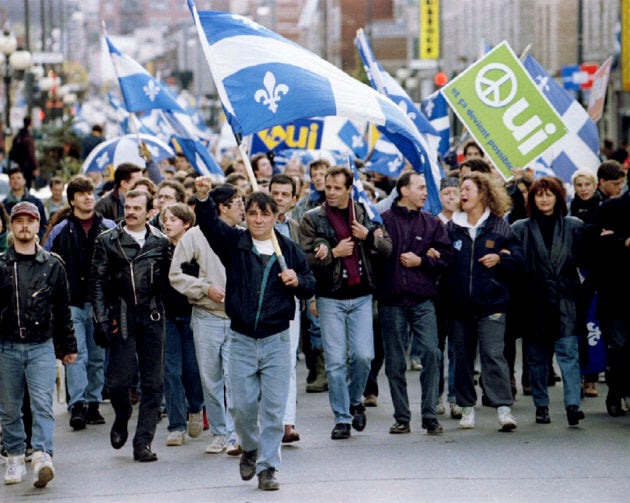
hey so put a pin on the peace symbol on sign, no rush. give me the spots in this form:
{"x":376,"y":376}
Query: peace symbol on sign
{"x":490,"y":89}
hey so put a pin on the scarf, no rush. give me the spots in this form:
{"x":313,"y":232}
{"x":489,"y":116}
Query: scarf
{"x":343,"y":230}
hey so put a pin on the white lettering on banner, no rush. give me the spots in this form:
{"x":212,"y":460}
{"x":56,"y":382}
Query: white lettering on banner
{"x":489,"y":91}
{"x":520,"y":132}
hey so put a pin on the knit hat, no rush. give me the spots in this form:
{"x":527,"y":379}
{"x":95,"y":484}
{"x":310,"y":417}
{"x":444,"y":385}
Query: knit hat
{"x":449,"y":181}
{"x":25,"y":208}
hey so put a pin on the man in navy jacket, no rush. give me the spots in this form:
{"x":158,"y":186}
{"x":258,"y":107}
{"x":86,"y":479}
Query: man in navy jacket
{"x":260,"y":302}
{"x":421,"y":249}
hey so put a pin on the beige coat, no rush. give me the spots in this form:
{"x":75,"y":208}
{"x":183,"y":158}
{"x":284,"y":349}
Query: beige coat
{"x":193,"y":244}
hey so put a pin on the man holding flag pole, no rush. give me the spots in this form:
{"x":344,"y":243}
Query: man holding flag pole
{"x":260,"y":302}
{"x":339,"y":239}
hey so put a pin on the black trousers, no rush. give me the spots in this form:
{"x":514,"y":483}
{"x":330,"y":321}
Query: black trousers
{"x":616,"y":333}
{"x":145,"y":345}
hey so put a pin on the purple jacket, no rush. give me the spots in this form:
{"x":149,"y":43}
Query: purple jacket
{"x":412,"y":231}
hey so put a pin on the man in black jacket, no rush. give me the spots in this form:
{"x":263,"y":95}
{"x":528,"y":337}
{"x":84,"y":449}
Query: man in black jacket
{"x":339,"y":239}
{"x":609,"y":241}
{"x":35,"y":327}
{"x":129,"y":265}
{"x":73,"y":240}
{"x":260,"y":302}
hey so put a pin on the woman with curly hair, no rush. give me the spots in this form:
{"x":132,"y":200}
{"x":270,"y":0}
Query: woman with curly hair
{"x":477,"y":294}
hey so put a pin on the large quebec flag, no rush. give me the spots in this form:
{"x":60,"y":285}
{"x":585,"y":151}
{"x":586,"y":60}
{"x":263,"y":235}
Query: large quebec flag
{"x":140,"y":90}
{"x":264,"y":80}
{"x":579,"y":148}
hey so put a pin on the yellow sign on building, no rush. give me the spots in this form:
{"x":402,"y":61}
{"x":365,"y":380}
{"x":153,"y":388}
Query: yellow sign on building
{"x":625,"y":45}
{"x":429,"y":39}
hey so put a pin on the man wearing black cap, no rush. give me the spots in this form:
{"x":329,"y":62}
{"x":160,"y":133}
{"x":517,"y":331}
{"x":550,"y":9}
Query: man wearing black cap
{"x":35,"y":328}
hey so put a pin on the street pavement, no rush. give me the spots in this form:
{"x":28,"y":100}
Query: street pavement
{"x":535,"y":463}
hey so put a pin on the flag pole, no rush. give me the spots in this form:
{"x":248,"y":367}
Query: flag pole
{"x":252,"y":180}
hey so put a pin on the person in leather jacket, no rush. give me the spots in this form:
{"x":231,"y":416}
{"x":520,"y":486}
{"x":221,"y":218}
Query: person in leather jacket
{"x":35,"y":327}
{"x":129,"y":265}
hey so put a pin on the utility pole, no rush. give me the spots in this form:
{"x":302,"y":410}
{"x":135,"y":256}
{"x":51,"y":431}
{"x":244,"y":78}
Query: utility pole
{"x":27,"y":26}
{"x":42,"y":11}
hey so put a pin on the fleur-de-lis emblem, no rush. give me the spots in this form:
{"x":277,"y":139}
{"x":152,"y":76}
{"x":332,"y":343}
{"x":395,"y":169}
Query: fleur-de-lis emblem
{"x":102,"y":160}
{"x":403,"y":106}
{"x":429,"y":108}
{"x":393,"y":165}
{"x":272,"y":93}
{"x":542,"y":83}
{"x":357,"y":141}
{"x":151,"y":90}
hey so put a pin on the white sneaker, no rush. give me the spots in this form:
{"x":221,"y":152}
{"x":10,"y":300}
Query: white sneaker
{"x":467,"y":422}
{"x":415,"y":364}
{"x":195,"y":424}
{"x":15,"y":471}
{"x":506,"y":420}
{"x":216,"y":445}
{"x":43,"y":469}
{"x":233,"y":448}
{"x":440,"y":406}
{"x":176,"y":438}
{"x":456,"y":411}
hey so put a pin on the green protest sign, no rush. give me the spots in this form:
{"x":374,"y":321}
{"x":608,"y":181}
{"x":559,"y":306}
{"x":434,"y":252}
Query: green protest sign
{"x":504,"y":111}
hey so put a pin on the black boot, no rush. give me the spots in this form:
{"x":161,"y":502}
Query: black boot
{"x":93,"y":416}
{"x":77,"y":417}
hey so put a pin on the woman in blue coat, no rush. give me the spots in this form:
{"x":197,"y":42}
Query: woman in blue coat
{"x":550,"y":241}
{"x":486,"y":257}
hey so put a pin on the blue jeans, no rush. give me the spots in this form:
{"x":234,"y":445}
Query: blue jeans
{"x":86,"y":376}
{"x":33,"y":366}
{"x":212,"y":345}
{"x":181,"y":373}
{"x":259,"y":375}
{"x":348,"y":341}
{"x":294,"y":333}
{"x":487,"y":333}
{"x":538,"y":355}
{"x":314,"y":331}
{"x":423,"y":326}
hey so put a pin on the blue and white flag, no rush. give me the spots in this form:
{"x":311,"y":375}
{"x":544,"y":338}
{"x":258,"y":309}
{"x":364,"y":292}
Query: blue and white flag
{"x":579,"y":149}
{"x":386,"y":158}
{"x":140,"y":90}
{"x":195,"y":151}
{"x":360,"y":196}
{"x":435,"y":108}
{"x":353,"y":139}
{"x":264,"y":80}
{"x":617,"y":49}
{"x":385,"y":84}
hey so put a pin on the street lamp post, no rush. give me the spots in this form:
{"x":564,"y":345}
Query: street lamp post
{"x":14,"y":59}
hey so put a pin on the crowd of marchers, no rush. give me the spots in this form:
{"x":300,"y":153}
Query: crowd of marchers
{"x":192,"y":299}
